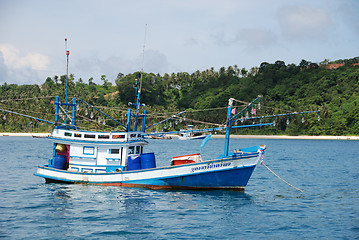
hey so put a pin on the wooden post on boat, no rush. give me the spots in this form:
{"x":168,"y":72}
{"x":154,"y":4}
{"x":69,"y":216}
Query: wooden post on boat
{"x":228,"y":127}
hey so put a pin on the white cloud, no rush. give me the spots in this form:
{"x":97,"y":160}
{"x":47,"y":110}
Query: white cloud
{"x":15,"y":60}
{"x":21,"y":68}
{"x":304,"y":22}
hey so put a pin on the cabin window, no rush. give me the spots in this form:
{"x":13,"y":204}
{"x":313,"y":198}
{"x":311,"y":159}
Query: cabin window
{"x":133,"y":135}
{"x":103,"y":136}
{"x":118,"y":136}
{"x":138,"y":150}
{"x":68,"y":134}
{"x":90,"y":136}
{"x":131,"y":150}
{"x":115,"y":151}
{"x":78,"y":135}
{"x":135,"y":150}
{"x":88,"y":150}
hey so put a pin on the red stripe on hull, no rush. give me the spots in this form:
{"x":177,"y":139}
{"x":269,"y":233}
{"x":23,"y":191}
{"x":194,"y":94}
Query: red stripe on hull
{"x":152,"y":187}
{"x":168,"y":187}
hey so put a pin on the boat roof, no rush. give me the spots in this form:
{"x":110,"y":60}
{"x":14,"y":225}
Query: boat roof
{"x":96,"y":137}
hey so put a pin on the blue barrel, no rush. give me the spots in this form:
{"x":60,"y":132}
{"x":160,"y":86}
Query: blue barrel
{"x":134,"y":162}
{"x":59,"y":162}
{"x":148,"y":160}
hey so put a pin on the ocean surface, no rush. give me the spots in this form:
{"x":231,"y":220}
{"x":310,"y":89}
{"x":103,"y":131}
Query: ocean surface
{"x":328,"y":208}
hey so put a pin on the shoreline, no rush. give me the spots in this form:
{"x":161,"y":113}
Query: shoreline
{"x":25,"y":134}
{"x":304,"y":137}
{"x":219,"y":136}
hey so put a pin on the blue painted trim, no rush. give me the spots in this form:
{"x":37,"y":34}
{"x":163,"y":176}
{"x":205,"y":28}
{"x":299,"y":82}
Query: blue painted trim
{"x":128,"y":120}
{"x":83,"y":157}
{"x":68,"y":172}
{"x":228,"y":128}
{"x":87,"y":147}
{"x":97,"y":142}
{"x":57,"y":100}
{"x":74,"y":112}
{"x":144,"y":120}
{"x":93,"y":166}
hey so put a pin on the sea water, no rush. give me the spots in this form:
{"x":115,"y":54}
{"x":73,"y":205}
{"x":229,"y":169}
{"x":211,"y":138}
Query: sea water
{"x":327,"y":171}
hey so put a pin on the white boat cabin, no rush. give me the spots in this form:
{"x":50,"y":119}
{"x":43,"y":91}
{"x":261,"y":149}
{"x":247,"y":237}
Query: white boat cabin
{"x":96,"y":152}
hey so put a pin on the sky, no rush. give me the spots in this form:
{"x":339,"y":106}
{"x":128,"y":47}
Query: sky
{"x":108,"y":37}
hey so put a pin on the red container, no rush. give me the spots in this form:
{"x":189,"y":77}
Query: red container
{"x":180,"y":162}
{"x":186,"y":159}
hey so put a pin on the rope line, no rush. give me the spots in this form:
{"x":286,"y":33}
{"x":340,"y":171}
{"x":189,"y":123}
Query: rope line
{"x":282,"y":178}
{"x":23,"y":99}
{"x":240,"y":101}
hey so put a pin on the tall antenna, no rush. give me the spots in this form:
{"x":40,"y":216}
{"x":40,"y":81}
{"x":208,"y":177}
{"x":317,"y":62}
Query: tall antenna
{"x":143,"y":56}
{"x":67,"y":73}
{"x":138,"y":104}
{"x":143,"y":60}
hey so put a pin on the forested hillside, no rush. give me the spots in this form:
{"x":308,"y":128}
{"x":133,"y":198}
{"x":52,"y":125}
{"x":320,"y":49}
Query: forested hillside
{"x":308,"y":86}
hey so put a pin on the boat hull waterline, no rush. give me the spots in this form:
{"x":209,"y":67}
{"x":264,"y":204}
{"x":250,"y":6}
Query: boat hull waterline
{"x":227,"y":173}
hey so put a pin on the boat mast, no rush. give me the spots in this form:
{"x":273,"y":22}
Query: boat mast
{"x":67,"y":75}
{"x":228,"y":127}
{"x":138,"y":104}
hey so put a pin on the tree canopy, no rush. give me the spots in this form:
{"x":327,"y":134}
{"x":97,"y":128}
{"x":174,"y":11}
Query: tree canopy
{"x":306,"y":86}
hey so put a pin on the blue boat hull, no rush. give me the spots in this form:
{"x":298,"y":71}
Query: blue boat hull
{"x":234,"y":178}
{"x":219,"y":179}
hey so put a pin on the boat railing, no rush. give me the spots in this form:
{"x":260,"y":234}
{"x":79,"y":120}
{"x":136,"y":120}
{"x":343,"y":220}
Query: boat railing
{"x":96,"y":136}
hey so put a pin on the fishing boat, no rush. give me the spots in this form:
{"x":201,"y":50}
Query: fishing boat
{"x":120,"y":158}
{"x":160,"y":136}
{"x":190,"y":135}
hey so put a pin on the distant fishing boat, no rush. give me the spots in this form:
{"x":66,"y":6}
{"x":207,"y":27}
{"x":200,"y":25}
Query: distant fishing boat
{"x":160,"y":136}
{"x":40,"y":136}
{"x":189,"y":134}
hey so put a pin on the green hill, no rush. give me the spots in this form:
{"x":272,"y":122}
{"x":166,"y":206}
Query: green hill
{"x":332,"y":87}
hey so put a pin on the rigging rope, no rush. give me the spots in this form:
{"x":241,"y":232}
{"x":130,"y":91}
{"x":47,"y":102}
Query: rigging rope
{"x":282,"y":178}
{"x":262,"y":106}
{"x":197,"y":121}
{"x":23,"y":99}
{"x":240,"y":101}
{"x":24,"y":110}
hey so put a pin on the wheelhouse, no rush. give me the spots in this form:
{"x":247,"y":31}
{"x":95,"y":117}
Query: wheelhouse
{"x":85,"y":151}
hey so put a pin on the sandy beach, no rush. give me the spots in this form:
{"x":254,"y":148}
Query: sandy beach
{"x":219,"y":136}
{"x":25,"y":134}
{"x":291,"y":137}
